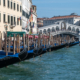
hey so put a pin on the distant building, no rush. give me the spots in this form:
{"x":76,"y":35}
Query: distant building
{"x":71,"y":19}
{"x":40,"y":21}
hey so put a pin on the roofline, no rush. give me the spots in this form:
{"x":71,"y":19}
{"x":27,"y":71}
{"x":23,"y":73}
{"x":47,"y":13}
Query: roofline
{"x":62,"y":17}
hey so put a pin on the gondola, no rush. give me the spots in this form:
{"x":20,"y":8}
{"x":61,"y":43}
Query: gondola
{"x":11,"y":58}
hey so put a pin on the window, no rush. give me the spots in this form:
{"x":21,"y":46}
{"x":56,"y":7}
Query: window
{"x":20,"y":8}
{"x":20,"y":22}
{"x":14,"y":6}
{"x":17,"y":7}
{"x":4,"y":17}
{"x":8,"y":4}
{"x":23,"y":13}
{"x":11,"y":20}
{"x":0,"y":17}
{"x":26,"y":15}
{"x":3,"y":2}
{"x":8,"y":19}
{"x":11,"y":4}
{"x":14,"y":20}
{"x":17,"y":21}
{"x":0,"y":2}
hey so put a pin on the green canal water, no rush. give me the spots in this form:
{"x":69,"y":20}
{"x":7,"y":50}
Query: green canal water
{"x":63,"y":64}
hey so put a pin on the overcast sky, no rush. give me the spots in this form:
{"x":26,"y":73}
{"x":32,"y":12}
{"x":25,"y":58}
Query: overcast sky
{"x":50,"y":8}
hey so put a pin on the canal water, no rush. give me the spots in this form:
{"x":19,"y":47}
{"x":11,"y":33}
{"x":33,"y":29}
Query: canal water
{"x":63,"y":64}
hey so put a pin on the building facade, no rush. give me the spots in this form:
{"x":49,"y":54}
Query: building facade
{"x":26,"y":5}
{"x":34,"y":14}
{"x":71,"y":19}
{"x":10,"y":12}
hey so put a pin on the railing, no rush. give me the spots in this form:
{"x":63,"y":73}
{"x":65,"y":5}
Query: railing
{"x":64,"y":31}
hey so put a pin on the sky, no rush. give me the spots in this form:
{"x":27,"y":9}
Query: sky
{"x":50,"y":8}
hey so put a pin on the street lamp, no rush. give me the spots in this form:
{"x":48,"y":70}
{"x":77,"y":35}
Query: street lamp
{"x":6,"y":26}
{"x":12,"y":26}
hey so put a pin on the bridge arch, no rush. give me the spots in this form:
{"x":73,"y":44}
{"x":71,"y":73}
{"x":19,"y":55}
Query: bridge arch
{"x":57,"y":28}
{"x":53,"y":30}
{"x":63,"y":26}
{"x":44,"y":31}
{"x":69,"y":28}
{"x":40,"y":31}
{"x":73,"y":29}
{"x":77,"y":30}
{"x":48,"y":30}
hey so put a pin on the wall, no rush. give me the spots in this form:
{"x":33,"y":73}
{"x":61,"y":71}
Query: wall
{"x":11,"y":12}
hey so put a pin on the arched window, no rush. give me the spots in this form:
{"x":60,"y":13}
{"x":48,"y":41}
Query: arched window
{"x":69,"y":28}
{"x":73,"y":29}
{"x":53,"y":30}
{"x":57,"y":28}
{"x":77,"y":30}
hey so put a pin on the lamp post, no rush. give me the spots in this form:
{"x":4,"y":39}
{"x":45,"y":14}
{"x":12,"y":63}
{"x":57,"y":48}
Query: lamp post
{"x":6,"y":26}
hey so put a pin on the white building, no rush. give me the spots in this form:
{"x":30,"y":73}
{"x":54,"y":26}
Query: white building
{"x":26,"y":5}
{"x":34,"y":13}
{"x":71,"y":19}
{"x":10,"y":11}
{"x":27,"y":11}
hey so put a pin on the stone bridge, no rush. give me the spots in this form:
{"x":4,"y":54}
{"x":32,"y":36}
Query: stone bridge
{"x":60,"y":28}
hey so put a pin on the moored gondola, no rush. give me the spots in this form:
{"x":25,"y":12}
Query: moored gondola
{"x":12,"y":58}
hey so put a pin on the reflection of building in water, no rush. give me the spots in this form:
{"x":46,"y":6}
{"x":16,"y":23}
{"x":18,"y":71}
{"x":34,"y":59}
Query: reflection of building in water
{"x":71,"y":19}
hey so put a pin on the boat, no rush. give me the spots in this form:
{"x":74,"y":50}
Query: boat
{"x":12,"y":58}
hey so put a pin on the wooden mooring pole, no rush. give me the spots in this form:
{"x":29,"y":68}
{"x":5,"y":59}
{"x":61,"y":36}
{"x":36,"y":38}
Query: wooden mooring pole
{"x":9,"y":41}
{"x":23,"y":41}
{"x":18,"y":43}
{"x":6,"y":43}
{"x":28,"y":41}
{"x":14,"y":45}
{"x":0,"y":40}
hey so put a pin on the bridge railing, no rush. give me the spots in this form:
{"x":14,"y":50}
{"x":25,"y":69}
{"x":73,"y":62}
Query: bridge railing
{"x":64,"y":31}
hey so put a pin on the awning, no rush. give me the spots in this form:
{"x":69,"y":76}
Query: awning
{"x":16,"y":33}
